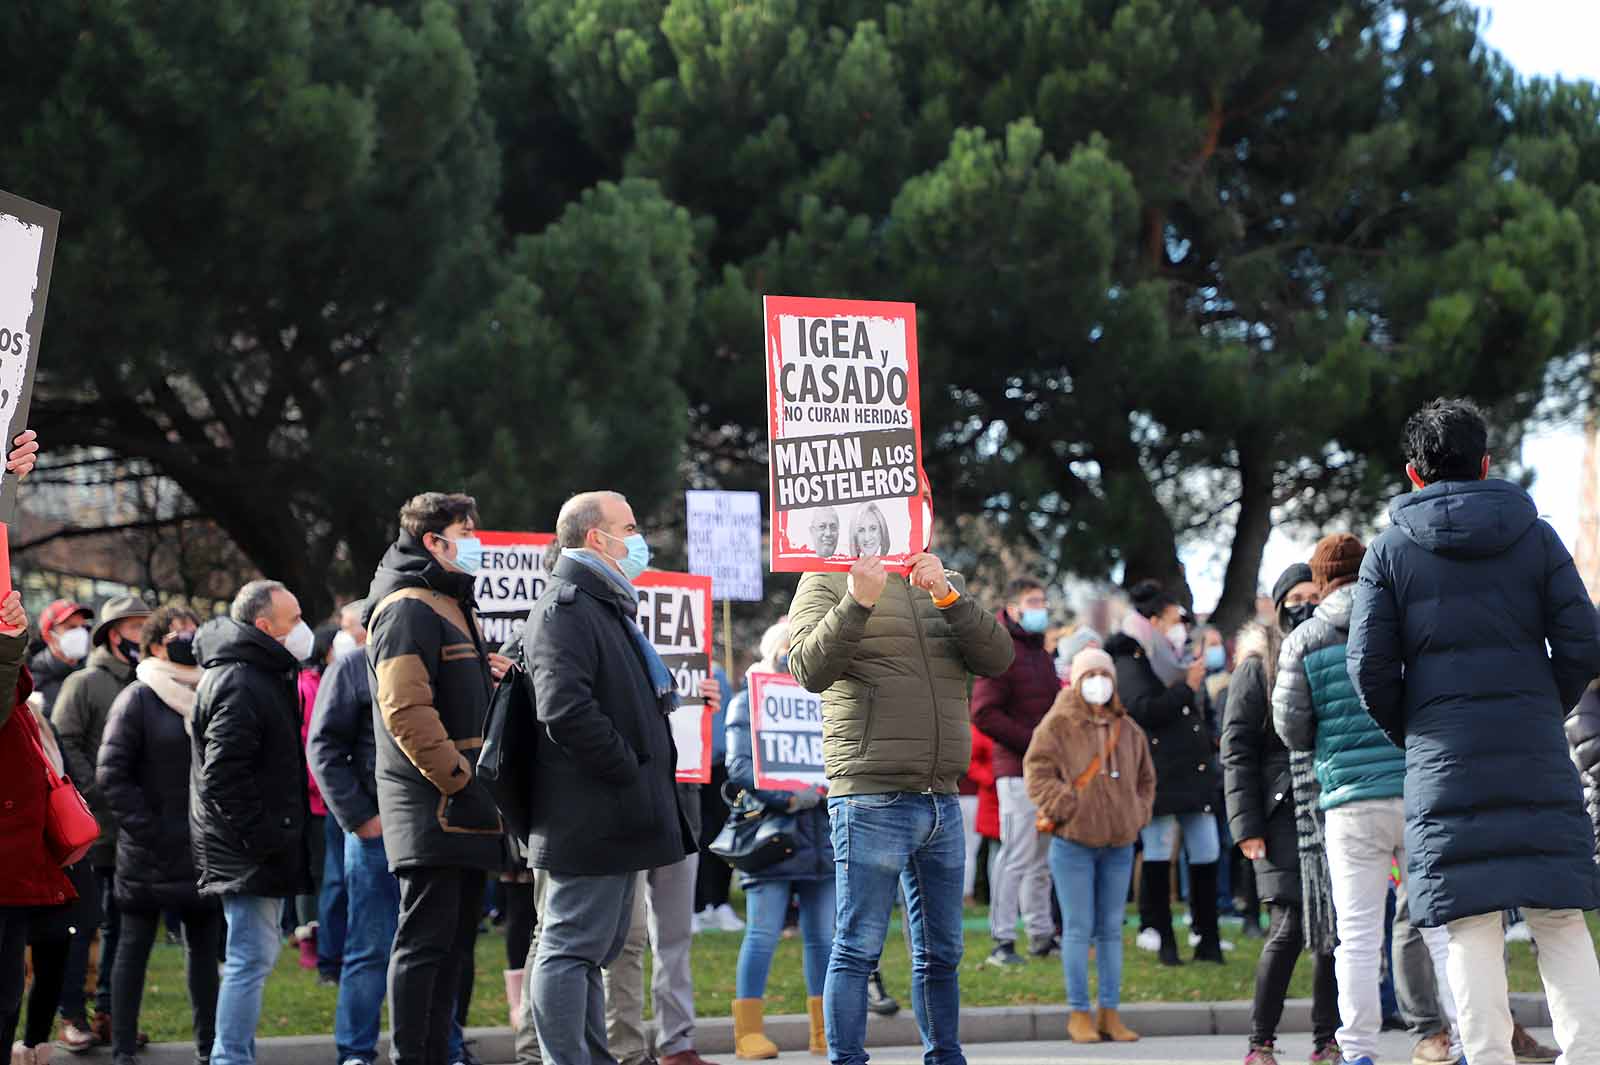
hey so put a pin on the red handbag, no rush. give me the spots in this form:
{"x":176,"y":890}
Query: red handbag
{"x":69,"y":827}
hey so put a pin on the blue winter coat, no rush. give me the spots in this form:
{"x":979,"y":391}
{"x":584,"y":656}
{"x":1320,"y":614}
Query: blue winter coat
{"x":1456,"y":604}
{"x":813,"y":853}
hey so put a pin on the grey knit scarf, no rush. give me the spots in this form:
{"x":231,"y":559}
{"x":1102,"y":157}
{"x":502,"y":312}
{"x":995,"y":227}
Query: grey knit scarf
{"x":1316,"y":885}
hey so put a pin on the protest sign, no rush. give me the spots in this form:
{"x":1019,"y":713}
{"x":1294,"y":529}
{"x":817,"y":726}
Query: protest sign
{"x":725,"y":542}
{"x":675,"y":614}
{"x":785,"y":734}
{"x":512,"y":577}
{"x":845,"y":427}
{"x":27,"y":253}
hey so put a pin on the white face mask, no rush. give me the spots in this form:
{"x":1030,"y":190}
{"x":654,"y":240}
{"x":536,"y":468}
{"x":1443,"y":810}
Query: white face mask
{"x":1178,"y":636}
{"x":1097,"y":690}
{"x":300,"y":642}
{"x":74,"y":644}
{"x":343,"y":644}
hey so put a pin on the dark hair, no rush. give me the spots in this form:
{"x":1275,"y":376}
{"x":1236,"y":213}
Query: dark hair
{"x":1021,"y":586}
{"x":321,"y":643}
{"x":1446,"y":441}
{"x":433,"y":512}
{"x":158,"y":624}
{"x":1150,"y":598}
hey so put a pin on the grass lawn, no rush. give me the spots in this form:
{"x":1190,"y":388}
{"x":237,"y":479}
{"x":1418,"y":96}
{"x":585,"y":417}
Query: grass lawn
{"x":297,"y":1005}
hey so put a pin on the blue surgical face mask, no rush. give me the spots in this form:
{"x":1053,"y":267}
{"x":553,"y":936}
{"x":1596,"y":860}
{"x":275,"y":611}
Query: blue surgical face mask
{"x":782,"y":663}
{"x":469,"y":554}
{"x":637,"y":559}
{"x":1035,"y":619}
{"x":1216,"y":659}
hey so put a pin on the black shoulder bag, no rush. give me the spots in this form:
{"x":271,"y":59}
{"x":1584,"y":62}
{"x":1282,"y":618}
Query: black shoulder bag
{"x":754,"y":836}
{"x":505,"y":763}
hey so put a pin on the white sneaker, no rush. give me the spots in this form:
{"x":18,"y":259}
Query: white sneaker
{"x":726,"y":919}
{"x":702,"y":922}
{"x":1150,"y":940}
{"x":1194,"y":941}
{"x":1519,"y":933}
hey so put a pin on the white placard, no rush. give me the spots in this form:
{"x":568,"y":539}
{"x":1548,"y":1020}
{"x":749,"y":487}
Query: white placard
{"x":725,"y":542}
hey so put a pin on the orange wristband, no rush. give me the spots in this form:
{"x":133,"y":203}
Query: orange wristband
{"x":948,"y":600}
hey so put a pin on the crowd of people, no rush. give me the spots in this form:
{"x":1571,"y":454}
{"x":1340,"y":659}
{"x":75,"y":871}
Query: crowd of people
{"x":1392,"y":759}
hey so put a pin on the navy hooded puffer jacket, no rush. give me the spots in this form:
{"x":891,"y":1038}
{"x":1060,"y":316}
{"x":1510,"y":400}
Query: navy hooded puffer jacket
{"x":1456,"y":603}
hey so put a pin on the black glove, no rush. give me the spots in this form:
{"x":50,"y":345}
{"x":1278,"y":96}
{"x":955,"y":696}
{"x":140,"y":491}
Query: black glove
{"x":472,"y":810}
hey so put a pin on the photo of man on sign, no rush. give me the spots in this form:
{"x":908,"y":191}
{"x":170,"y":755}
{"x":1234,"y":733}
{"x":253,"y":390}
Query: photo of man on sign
{"x":846,"y":433}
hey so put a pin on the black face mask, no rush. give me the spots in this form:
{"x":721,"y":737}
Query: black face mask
{"x":1299,"y":614}
{"x":129,"y":649}
{"x":180,"y":650}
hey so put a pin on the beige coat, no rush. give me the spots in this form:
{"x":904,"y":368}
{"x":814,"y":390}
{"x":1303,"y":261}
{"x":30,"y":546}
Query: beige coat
{"x":1114,"y":802}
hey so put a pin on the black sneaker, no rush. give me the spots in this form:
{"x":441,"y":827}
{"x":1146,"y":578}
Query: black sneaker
{"x":1045,"y":948}
{"x":879,"y":1000}
{"x":1004,"y":956}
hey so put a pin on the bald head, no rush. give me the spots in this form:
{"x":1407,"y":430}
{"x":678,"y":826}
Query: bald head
{"x":825,"y":531}
{"x":582,"y":513}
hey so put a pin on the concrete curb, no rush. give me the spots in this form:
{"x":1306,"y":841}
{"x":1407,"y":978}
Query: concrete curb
{"x":1001,"y":1024}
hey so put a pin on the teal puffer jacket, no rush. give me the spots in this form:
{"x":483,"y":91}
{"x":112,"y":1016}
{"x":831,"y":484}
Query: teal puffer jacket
{"x":1315,"y":708}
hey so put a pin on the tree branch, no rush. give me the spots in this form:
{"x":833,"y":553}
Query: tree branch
{"x":77,"y":532}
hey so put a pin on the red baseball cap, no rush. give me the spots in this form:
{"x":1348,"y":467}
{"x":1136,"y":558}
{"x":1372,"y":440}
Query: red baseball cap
{"x":60,"y":611}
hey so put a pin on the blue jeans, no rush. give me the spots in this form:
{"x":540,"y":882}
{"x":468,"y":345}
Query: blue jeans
{"x":1200,"y":839}
{"x":253,"y":944}
{"x":374,"y":911}
{"x":883,"y":844}
{"x":766,"y":903}
{"x":332,"y":901}
{"x":1092,"y":885}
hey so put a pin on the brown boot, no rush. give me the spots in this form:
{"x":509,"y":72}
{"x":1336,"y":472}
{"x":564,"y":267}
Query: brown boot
{"x":750,"y":1042}
{"x":1528,"y":1050}
{"x":1112,"y":1028}
{"x":819,"y":1030}
{"x":1081,"y":1027}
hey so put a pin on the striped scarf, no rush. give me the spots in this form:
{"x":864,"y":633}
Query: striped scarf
{"x":1316,"y":884}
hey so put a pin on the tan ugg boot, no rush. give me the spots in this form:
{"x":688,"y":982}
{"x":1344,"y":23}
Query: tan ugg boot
{"x":1112,"y":1028}
{"x":750,"y":1042}
{"x":819,"y":1031}
{"x":1081,"y":1027}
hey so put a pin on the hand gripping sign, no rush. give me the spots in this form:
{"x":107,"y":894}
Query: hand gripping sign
{"x":785,"y":734}
{"x":675,"y":614}
{"x":845,"y":427}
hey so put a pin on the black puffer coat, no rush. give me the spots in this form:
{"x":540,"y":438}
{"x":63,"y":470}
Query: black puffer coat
{"x":144,"y":776}
{"x":1470,"y":640}
{"x":1180,"y":741}
{"x":1255,"y":769}
{"x":1583,"y":733}
{"x":248,"y":800}
{"x":603,"y":799}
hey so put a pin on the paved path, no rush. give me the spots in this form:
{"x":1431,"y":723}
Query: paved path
{"x":1199,"y":1050}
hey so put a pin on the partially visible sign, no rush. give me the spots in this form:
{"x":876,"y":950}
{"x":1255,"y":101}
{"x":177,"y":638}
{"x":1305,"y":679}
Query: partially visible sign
{"x":27,"y":254}
{"x":785,"y":734}
{"x":512,"y":577}
{"x":844,"y":423}
{"x":725,"y":542}
{"x":675,"y":614}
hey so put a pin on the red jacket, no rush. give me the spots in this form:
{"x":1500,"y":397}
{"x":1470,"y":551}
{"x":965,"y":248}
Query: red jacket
{"x":981,"y":776}
{"x":28,"y":875}
{"x":1009,"y":707}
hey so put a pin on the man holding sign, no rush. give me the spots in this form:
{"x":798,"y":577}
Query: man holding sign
{"x":890,"y":655}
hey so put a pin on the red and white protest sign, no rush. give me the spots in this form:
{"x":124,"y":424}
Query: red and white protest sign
{"x":785,"y":734}
{"x":511,"y":578}
{"x":675,"y":614}
{"x":844,"y":423}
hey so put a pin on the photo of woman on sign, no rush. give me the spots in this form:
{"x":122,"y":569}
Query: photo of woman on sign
{"x":869,"y":532}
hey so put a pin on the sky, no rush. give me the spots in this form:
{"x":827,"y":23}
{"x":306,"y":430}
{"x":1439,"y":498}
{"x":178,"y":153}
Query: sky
{"x":1539,"y":37}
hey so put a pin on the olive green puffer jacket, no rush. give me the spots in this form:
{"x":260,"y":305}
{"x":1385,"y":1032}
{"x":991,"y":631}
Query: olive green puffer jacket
{"x":893,"y":681}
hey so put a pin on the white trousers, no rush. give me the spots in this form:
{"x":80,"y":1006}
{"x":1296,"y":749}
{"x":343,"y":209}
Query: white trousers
{"x":1022,"y":874}
{"x":1567,"y":966}
{"x":1364,"y":840}
{"x":969,"y":826}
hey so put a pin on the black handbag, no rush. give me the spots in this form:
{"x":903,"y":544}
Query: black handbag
{"x":754,"y":836}
{"x":505,"y":762}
